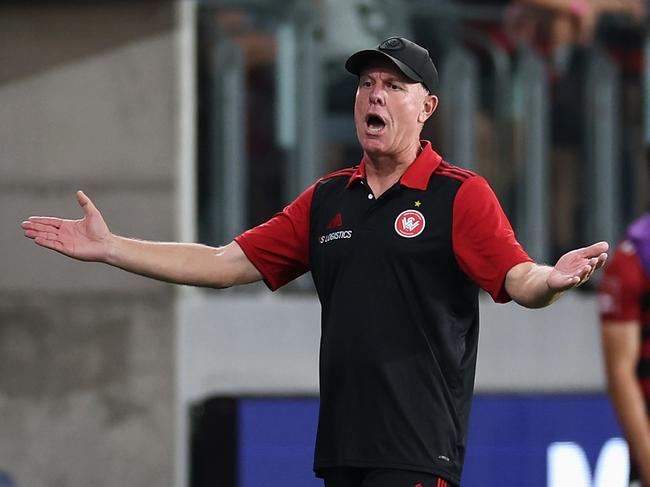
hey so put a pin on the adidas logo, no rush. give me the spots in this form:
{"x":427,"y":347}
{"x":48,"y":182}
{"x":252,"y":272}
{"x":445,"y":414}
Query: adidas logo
{"x":335,"y":222}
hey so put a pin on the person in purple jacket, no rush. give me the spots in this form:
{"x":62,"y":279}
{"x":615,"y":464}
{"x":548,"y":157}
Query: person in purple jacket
{"x":624,"y":302}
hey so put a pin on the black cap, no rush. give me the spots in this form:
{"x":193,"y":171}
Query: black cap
{"x":412,"y":60}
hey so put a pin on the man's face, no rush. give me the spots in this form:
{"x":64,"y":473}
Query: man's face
{"x":389,"y":110}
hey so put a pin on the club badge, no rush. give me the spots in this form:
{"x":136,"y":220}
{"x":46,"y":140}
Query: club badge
{"x":409,"y":223}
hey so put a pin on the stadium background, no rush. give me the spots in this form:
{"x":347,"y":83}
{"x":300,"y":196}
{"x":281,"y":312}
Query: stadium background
{"x":111,"y":379}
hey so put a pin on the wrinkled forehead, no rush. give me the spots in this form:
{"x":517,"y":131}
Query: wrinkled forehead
{"x":379,"y":66}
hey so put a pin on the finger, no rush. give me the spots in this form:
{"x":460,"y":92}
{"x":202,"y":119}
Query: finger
{"x":572,"y":282}
{"x":39,"y":227}
{"x":32,"y":234}
{"x":566,"y":282}
{"x":581,"y":273}
{"x":49,"y":243}
{"x":42,"y":234}
{"x":585,"y":274}
{"x":586,"y":277}
{"x":86,"y":204}
{"x":602,"y":258}
{"x":596,"y":249}
{"x":44,"y":220}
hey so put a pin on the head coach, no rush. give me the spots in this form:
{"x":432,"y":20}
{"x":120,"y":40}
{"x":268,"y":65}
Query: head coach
{"x":398,"y":247}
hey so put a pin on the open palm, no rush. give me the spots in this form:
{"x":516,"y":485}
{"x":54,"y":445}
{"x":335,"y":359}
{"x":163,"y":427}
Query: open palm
{"x":576,"y":267}
{"x":85,"y":239}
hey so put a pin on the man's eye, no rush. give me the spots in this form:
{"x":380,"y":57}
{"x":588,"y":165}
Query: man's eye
{"x":365,"y":84}
{"x":395,"y":87}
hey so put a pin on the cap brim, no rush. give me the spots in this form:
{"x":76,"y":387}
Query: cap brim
{"x":359,"y":60}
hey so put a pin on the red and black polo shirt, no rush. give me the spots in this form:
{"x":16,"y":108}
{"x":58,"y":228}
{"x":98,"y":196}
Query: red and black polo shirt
{"x":624,"y":296}
{"x":398,"y":278}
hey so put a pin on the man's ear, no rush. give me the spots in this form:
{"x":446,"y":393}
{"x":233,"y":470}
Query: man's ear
{"x":429,"y":106}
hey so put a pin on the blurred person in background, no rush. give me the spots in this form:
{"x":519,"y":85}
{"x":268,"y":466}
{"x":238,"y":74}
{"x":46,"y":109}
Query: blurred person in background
{"x":557,"y":25}
{"x":253,"y":35}
{"x":624,"y":305}
{"x":565,"y":33}
{"x":398,"y":248}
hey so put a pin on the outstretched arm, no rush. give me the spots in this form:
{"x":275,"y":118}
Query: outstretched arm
{"x":536,"y":286}
{"x":89,"y":239}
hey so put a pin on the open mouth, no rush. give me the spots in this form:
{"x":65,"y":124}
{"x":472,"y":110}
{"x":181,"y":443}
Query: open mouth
{"x":375,"y":123}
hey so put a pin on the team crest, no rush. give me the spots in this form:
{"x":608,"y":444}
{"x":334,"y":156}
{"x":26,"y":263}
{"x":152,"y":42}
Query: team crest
{"x":409,"y":223}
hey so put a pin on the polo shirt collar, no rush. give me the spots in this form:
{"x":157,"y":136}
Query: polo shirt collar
{"x":417,"y":175}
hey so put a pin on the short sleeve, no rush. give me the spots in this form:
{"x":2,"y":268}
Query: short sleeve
{"x":279,"y":248}
{"x":621,"y":287}
{"x":483,"y":239}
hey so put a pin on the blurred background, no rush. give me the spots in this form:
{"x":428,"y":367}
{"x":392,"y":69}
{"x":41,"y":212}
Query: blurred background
{"x":194,"y":120}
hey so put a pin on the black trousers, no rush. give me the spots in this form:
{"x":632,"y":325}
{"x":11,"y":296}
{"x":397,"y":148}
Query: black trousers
{"x":379,"y":477}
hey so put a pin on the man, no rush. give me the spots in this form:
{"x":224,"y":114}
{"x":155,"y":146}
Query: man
{"x":624,"y":301}
{"x":398,"y":247}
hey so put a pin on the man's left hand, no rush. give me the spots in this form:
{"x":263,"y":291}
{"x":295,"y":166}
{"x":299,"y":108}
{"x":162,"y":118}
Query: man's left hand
{"x":575,"y":268}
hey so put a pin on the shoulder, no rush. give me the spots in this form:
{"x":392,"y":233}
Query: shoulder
{"x":331,"y":185}
{"x":447,"y":170}
{"x":463,"y":183}
{"x":345,"y":173}
{"x":335,"y":181}
{"x":471,"y":189}
{"x":342,"y":175}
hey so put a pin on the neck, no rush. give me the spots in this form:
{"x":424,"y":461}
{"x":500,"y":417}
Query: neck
{"x":384,"y":170}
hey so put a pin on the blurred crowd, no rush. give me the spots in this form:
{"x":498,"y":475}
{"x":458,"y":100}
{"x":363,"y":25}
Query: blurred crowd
{"x":562,"y":33}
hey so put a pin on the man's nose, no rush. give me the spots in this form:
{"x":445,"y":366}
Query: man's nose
{"x":377,"y":96}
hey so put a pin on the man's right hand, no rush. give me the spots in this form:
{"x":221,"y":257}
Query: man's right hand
{"x":87,"y":239}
